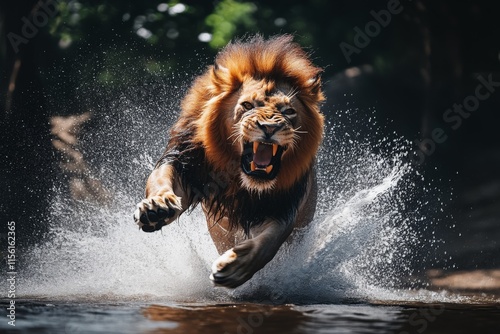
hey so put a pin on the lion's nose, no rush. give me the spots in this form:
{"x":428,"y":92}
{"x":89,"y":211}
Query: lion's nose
{"x":270,"y":128}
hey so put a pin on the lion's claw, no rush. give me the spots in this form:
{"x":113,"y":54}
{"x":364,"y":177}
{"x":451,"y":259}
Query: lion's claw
{"x":162,"y":214}
{"x":155,"y":212}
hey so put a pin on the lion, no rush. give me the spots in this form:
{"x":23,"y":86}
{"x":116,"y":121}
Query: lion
{"x":244,"y":148}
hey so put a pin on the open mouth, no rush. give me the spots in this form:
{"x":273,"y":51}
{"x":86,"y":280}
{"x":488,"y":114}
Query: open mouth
{"x":261,"y":160}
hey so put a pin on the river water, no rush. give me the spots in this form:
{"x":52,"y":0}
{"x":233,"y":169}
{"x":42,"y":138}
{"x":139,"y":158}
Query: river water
{"x":359,"y":266}
{"x":84,"y":316}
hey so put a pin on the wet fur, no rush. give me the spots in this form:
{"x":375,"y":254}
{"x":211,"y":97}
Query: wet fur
{"x":199,"y":147}
{"x":206,"y":158}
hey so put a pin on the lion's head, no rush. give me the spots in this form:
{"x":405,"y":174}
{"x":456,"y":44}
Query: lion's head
{"x":258,"y":113}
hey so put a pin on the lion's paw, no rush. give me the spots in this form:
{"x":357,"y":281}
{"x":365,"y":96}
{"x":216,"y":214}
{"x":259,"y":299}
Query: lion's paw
{"x":157,"y":211}
{"x":233,"y":268}
{"x":225,"y":259}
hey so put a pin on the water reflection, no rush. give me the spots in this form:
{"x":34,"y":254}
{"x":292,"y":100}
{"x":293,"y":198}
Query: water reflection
{"x":229,"y":318}
{"x":327,"y":319}
{"x":74,"y":316}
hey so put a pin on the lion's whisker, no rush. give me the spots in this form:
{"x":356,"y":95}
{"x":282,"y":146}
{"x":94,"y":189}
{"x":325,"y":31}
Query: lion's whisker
{"x":236,"y":135}
{"x":235,"y":141}
{"x":233,"y":134}
{"x":296,"y":130}
{"x":292,"y":93}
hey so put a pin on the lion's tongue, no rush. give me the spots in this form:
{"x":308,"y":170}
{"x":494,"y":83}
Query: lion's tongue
{"x":263,"y":155}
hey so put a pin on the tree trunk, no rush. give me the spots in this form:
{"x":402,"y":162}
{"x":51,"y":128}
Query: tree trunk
{"x":26,"y":155}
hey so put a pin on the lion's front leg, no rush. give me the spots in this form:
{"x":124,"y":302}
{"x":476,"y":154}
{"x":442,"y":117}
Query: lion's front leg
{"x":239,"y":264}
{"x":163,"y":202}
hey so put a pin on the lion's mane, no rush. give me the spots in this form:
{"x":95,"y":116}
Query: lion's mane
{"x":199,"y":146}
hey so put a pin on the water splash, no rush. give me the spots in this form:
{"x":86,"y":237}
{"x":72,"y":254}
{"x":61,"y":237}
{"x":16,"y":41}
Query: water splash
{"x":360,"y":244}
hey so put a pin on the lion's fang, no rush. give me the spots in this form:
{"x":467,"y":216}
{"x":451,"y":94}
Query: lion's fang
{"x":253,"y":168}
{"x":256,"y":147}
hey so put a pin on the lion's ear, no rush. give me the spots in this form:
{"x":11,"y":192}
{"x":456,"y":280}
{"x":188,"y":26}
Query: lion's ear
{"x":219,"y":69}
{"x":220,"y":75}
{"x":314,"y":83}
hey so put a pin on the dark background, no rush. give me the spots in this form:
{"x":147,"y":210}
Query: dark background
{"x":425,"y":60}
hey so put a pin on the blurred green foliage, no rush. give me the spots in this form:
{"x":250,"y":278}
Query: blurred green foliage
{"x":161,"y":37}
{"x":115,"y":42}
{"x":228,"y":15}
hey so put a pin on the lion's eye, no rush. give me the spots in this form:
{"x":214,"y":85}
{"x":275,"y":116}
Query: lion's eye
{"x":289,"y":112}
{"x":247,"y":105}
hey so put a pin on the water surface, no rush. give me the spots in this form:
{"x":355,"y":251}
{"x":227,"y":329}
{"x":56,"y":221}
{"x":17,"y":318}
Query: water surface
{"x":43,"y":316}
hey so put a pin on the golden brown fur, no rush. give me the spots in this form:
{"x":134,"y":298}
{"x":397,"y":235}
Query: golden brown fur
{"x":244,"y":146}
{"x":272,"y":62}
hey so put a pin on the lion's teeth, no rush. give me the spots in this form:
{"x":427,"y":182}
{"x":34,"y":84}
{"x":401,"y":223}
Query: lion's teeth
{"x":255,"y":147}
{"x":252,"y":166}
{"x":269,"y":169}
{"x":275,"y":149}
